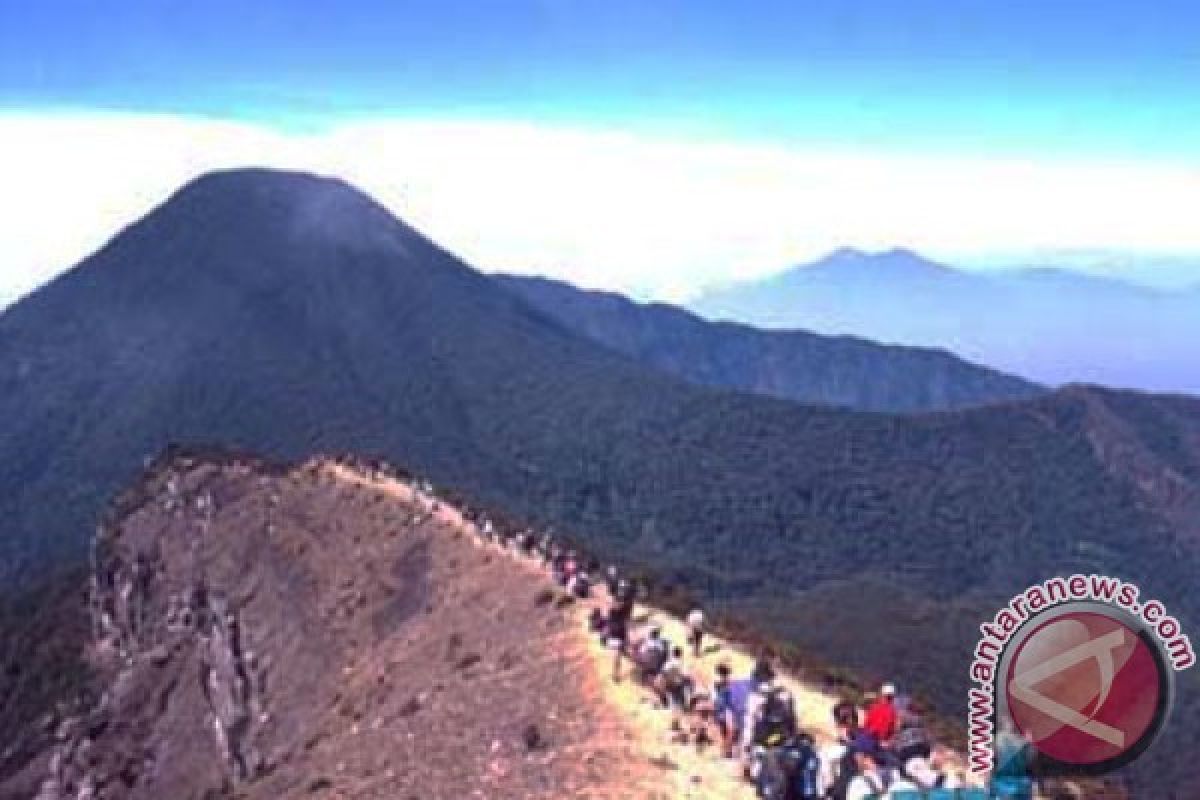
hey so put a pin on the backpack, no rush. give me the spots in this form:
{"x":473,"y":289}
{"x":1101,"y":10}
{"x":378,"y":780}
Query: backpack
{"x":803,"y":765}
{"x":776,"y":722}
{"x":912,"y":741}
{"x":843,"y":772}
{"x":652,"y":656}
{"x":771,"y":781}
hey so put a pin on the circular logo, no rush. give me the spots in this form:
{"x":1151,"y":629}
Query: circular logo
{"x":1088,"y":688}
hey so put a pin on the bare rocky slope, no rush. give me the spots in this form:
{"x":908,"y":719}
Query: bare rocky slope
{"x":265,"y":632}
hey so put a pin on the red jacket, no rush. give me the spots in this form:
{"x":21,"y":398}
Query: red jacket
{"x":882,"y":720}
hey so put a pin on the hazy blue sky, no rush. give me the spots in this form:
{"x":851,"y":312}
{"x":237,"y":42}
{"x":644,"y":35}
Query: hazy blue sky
{"x":1031,"y":75}
{"x":1096,"y":86}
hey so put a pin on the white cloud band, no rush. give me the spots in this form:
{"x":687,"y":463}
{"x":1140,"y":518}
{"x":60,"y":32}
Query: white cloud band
{"x":652,"y":216}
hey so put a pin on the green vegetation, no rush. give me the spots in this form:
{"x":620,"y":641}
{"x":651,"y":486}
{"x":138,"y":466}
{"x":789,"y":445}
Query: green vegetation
{"x":794,"y":365}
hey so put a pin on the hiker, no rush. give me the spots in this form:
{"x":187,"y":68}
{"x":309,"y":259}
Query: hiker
{"x":597,"y":623}
{"x":611,"y":580}
{"x":674,"y":687}
{"x":558,"y":557}
{"x":570,"y":566}
{"x":726,"y":716}
{"x":882,"y":720}
{"x":695,"y":630}
{"x":617,"y":624}
{"x":580,"y":585}
{"x":626,"y":593}
{"x":737,"y":711}
{"x":833,"y":757}
{"x":756,"y":702}
{"x":771,"y":723}
{"x":774,"y":721}
{"x":650,"y":655}
{"x":867,"y":782}
{"x":788,"y":771}
{"x":912,"y":740}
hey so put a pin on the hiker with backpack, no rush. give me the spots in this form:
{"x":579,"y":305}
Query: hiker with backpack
{"x":774,"y":721}
{"x":762,"y":684}
{"x":788,"y":771}
{"x":773,"y":727}
{"x":650,"y":655}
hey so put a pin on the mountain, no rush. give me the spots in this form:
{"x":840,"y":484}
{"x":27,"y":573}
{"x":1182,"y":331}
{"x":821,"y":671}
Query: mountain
{"x":288,"y":314}
{"x":794,"y":365}
{"x":1046,"y":324}
{"x":260,"y":631}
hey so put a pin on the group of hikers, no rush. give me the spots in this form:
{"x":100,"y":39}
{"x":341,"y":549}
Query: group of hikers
{"x":881,"y":751}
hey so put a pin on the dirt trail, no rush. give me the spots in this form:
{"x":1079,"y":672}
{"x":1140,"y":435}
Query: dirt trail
{"x":668,"y":769}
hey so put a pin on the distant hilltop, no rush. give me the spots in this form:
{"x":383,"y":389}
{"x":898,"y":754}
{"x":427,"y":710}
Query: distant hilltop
{"x":1052,"y":326}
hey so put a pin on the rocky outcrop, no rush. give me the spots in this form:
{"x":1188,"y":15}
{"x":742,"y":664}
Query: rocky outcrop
{"x":164,"y":639}
{"x":259,"y":632}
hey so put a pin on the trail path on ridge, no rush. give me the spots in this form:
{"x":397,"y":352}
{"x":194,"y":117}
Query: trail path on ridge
{"x":667,"y":769}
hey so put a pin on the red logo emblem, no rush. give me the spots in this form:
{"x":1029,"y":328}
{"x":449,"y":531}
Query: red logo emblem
{"x":1087,"y":689}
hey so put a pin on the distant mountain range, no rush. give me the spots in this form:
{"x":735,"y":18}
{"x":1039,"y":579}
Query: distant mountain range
{"x":287,"y":314}
{"x":1049,"y":325}
{"x":795,"y":365}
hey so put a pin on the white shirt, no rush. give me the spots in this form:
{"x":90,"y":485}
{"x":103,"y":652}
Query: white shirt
{"x":695,"y":620}
{"x":864,"y":786}
{"x":830,"y":757}
{"x":754,"y":705}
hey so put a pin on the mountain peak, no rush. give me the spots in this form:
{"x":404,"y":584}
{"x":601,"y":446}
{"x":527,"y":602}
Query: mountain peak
{"x":263,"y":182}
{"x":893,"y":258}
{"x":311,"y":207}
{"x":847,"y":254}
